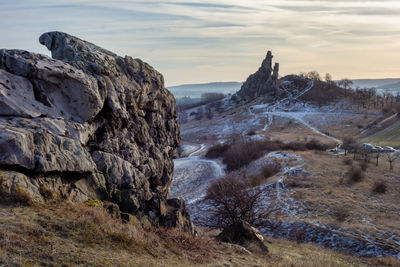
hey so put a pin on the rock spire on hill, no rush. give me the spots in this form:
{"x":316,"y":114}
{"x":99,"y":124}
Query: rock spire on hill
{"x":263,"y":82}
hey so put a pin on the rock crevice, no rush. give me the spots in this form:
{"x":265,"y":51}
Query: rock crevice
{"x":87,"y":111}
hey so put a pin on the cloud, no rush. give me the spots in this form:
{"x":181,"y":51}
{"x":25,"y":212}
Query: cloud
{"x":214,"y":40}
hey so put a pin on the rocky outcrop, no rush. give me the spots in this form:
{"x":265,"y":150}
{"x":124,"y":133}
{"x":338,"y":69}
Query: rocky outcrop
{"x":263,"y":82}
{"x":87,"y":124}
{"x":243,"y":234}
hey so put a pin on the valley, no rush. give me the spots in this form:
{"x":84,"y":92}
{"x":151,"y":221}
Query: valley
{"x":316,"y":202}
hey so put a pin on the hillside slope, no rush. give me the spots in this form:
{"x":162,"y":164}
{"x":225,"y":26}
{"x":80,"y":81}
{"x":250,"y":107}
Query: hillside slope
{"x":70,"y":234}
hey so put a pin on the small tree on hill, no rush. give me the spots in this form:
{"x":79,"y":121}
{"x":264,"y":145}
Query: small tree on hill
{"x":233,"y":200}
{"x":391,"y":158}
{"x":314,"y":75}
{"x":347,"y":144}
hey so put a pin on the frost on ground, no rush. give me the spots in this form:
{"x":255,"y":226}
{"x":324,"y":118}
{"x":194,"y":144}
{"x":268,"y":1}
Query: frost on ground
{"x":194,"y":174}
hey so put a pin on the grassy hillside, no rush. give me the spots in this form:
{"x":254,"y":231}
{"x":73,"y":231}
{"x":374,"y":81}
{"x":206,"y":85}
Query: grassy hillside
{"x":68,"y":234}
{"x":389,"y":136}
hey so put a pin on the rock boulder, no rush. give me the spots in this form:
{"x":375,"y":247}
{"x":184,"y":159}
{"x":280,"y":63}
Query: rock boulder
{"x":87,"y":123}
{"x":243,"y":234}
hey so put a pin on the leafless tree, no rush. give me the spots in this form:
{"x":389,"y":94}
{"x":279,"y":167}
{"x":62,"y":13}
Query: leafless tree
{"x":347,"y":144}
{"x":377,"y":155}
{"x":328,"y":79}
{"x":345,"y":83}
{"x":314,"y":75}
{"x":391,"y":158}
{"x":233,"y":200}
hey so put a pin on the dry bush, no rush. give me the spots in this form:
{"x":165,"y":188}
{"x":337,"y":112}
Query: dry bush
{"x":266,"y":172}
{"x":355,"y":175}
{"x":341,"y":214}
{"x":256,"y":180}
{"x":314,"y":144}
{"x":348,"y":161}
{"x":46,"y":192}
{"x":295,"y":146}
{"x":16,"y":197}
{"x":364,"y":166}
{"x":217,"y":151}
{"x":270,"y":170}
{"x":251,"y":133}
{"x":240,"y":154}
{"x":233,"y":200}
{"x":380,"y":187}
{"x":270,"y":145}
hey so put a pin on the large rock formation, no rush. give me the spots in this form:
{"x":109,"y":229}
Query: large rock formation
{"x":263,"y":82}
{"x":87,"y":124}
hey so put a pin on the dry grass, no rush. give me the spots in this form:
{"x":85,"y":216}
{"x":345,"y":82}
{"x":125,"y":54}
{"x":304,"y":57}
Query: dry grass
{"x":68,"y":234}
{"x":324,"y":193}
{"x":16,"y":197}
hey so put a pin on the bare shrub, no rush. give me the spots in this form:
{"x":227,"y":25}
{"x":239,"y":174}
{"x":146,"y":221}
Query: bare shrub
{"x":268,"y":145}
{"x":261,"y":177}
{"x":240,"y":154}
{"x":347,"y":161}
{"x":46,"y":192}
{"x":233,"y":201}
{"x":251,"y":132}
{"x":380,"y":187}
{"x":314,"y":144}
{"x":18,"y":197}
{"x":295,"y":146}
{"x":364,"y":166}
{"x":341,"y":214}
{"x":217,"y":151}
{"x":355,"y":175}
{"x":270,"y":170}
{"x":256,"y":180}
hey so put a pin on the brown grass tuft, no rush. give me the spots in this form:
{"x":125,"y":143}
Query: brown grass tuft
{"x":355,"y":175}
{"x":380,"y":187}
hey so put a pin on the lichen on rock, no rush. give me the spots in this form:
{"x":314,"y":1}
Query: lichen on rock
{"x":89,"y":121}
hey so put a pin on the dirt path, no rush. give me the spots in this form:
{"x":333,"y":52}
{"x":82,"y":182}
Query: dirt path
{"x":193,"y":174}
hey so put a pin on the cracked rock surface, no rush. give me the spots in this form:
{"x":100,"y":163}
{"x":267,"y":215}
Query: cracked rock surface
{"x":87,"y":124}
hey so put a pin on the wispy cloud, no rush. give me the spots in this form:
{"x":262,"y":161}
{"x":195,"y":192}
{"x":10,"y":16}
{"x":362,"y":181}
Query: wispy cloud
{"x":212,"y":40}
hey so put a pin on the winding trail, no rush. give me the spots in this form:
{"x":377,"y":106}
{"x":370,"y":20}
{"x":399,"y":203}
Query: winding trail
{"x":193,"y":174}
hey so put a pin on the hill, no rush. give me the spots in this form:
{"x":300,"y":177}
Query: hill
{"x":196,"y":90}
{"x":381,"y":83}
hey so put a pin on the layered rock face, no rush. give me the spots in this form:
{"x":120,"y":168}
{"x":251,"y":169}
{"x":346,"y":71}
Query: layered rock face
{"x":87,"y":124}
{"x":263,"y":82}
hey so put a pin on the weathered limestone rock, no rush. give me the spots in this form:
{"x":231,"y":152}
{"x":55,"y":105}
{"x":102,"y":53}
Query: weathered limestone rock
{"x":242,"y":233}
{"x":177,"y":216}
{"x":86,"y":120}
{"x":263,"y":82}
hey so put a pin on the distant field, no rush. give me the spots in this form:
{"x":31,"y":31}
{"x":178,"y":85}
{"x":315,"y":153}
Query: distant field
{"x":196,"y":90}
{"x":386,"y":137}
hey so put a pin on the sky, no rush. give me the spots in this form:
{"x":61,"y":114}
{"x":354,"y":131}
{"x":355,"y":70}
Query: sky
{"x":213,"y":40}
